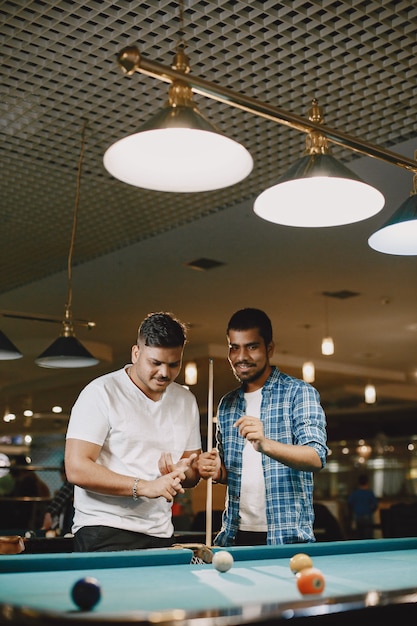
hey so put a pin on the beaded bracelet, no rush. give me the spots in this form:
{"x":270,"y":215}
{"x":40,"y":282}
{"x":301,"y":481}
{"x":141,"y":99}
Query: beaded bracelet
{"x":135,"y":489}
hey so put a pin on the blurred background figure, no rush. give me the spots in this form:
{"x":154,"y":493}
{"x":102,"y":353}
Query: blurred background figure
{"x":25,"y":513}
{"x":60,"y":511}
{"x":362,"y":505}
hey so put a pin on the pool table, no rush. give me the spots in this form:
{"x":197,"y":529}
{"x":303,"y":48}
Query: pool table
{"x":365,"y":580}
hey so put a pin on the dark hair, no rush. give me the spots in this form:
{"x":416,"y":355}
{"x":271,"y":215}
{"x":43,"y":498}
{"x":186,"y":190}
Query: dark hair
{"x":162,"y":330}
{"x":248,"y":318}
{"x":363,"y":480}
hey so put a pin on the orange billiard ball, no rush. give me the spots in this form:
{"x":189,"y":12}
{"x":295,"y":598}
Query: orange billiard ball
{"x":300,"y":561}
{"x":310,"y":580}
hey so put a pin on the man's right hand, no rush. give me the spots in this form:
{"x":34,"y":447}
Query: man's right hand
{"x":167,"y":486}
{"x":208,"y":464}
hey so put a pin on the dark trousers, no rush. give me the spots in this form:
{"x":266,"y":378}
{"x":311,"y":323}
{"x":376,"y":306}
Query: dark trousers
{"x":248,"y":538}
{"x":106,"y":539}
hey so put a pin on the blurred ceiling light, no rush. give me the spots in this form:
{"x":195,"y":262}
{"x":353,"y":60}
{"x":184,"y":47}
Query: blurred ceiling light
{"x":327,"y":344}
{"x":309,"y":372}
{"x":191,"y":375}
{"x":370,"y":394}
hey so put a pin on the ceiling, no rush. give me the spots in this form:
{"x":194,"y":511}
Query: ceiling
{"x":134,"y":247}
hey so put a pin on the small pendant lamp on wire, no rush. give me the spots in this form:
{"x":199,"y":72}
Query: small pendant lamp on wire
{"x":327,"y":344}
{"x":308,"y":369}
{"x":67,"y":351}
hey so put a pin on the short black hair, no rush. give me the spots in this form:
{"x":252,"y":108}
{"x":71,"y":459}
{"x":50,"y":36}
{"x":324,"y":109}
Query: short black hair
{"x":162,"y":330}
{"x":248,"y":318}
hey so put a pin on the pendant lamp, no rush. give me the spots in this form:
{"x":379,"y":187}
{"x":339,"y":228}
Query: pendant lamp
{"x":8,"y":351}
{"x":318,"y":191}
{"x":370,"y":394}
{"x":308,"y":368}
{"x":178,"y":150}
{"x":67,"y":351}
{"x":327,"y":343}
{"x":399,"y":234}
{"x":191,"y":373}
{"x":309,"y":372}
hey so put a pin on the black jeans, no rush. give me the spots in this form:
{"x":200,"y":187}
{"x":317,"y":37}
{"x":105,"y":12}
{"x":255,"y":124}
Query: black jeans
{"x":106,"y":539}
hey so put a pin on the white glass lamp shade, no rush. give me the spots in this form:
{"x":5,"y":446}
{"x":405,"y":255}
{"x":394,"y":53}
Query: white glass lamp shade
{"x":399,"y":234}
{"x":309,"y":372}
{"x":327,"y":346}
{"x":178,"y":151}
{"x":318,"y":191}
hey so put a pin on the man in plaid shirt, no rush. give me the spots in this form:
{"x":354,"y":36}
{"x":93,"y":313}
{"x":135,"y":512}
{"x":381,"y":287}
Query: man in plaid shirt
{"x":271,"y":439}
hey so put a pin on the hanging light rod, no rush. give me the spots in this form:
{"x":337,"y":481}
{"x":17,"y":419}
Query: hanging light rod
{"x":130,"y":60}
{"x":39,"y":317}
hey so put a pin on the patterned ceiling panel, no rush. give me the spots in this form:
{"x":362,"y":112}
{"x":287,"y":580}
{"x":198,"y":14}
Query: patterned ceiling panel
{"x":59,"y":69}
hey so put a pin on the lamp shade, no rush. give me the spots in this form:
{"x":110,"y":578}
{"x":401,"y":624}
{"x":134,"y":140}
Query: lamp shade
{"x":318,"y":191}
{"x":8,"y":351}
{"x":178,"y":151}
{"x":399,"y":234}
{"x":66,"y":352}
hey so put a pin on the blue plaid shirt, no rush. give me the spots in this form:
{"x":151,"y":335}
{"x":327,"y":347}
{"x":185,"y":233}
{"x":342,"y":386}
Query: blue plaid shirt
{"x":291,"y":413}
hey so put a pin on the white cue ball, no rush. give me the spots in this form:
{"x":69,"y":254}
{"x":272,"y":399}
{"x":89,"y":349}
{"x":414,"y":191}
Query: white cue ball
{"x":222,"y":561}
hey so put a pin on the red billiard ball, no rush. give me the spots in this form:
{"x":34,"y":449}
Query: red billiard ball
{"x":300,"y":561}
{"x":86,"y":592}
{"x":310,"y":580}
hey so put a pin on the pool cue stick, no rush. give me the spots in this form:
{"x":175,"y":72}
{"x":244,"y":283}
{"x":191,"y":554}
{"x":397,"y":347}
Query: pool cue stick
{"x":209,"y":495}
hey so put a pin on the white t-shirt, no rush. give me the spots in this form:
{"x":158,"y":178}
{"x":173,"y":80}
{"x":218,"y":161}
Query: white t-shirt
{"x":252,"y":491}
{"x":133,"y":431}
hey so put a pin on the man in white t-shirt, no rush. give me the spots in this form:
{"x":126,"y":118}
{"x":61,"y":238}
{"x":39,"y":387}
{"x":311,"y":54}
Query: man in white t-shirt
{"x":132,"y":438}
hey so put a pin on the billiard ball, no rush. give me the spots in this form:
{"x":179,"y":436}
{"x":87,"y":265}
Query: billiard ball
{"x":222,"y":561}
{"x":86,"y":592}
{"x":300,"y":561}
{"x":29,"y":534}
{"x":310,"y":581}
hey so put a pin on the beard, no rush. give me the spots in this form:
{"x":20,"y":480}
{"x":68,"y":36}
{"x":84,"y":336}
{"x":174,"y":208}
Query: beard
{"x":251,"y":377}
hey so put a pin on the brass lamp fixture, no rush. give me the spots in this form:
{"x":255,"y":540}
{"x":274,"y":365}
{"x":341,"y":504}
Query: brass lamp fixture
{"x":130,"y":61}
{"x":178,"y":150}
{"x":318,"y":190}
{"x":399,"y":234}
